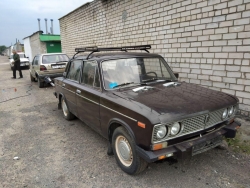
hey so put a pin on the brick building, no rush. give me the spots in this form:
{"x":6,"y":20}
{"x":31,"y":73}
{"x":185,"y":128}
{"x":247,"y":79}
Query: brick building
{"x":206,"y":41}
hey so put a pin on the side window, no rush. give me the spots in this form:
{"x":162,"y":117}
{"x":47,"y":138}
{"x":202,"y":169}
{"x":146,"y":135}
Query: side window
{"x":35,"y":61}
{"x":90,"y":75}
{"x":74,"y":70}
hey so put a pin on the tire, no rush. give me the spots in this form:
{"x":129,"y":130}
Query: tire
{"x":66,"y":113}
{"x":125,"y":153}
{"x":40,"y":83}
{"x":32,"y":79}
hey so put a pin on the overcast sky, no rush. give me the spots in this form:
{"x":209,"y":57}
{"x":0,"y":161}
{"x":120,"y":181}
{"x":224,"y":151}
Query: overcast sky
{"x":18,"y":19}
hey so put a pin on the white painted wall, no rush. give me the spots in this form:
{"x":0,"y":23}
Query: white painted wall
{"x":27,"y":48}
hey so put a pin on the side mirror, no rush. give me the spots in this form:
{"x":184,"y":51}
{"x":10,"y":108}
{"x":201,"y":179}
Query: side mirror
{"x":176,"y":74}
{"x":64,"y":75}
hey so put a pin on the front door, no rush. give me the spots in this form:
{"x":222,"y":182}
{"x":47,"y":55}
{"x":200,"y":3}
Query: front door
{"x":70,"y":85}
{"x":34,"y":66}
{"x":88,"y":95}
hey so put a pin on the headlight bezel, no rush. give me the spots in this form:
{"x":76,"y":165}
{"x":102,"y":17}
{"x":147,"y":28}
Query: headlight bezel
{"x":167,"y":135}
{"x":231,"y":110}
{"x":224,"y":114}
{"x":179,"y":128}
{"x":164,"y":129}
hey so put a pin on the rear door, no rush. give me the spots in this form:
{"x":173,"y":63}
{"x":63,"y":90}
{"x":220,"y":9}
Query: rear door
{"x":88,"y":95}
{"x":70,"y":85}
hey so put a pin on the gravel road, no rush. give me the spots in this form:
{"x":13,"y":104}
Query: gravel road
{"x":53,"y":152}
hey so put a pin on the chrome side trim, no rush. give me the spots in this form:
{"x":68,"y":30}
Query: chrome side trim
{"x":119,"y":113}
{"x":100,"y":105}
{"x":87,"y":99}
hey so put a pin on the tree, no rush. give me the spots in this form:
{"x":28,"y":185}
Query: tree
{"x":2,"y":48}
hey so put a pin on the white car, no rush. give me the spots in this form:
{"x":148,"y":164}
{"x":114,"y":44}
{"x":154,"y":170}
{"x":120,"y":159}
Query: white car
{"x":24,"y":61}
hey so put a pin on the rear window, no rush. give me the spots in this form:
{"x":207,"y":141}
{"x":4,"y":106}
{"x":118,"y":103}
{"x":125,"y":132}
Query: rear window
{"x":48,"y":59}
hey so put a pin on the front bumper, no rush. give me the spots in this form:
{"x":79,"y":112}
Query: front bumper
{"x":188,"y":148}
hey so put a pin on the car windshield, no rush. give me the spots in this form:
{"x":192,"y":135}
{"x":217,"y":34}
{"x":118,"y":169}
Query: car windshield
{"x":125,"y":72}
{"x":55,"y":58}
{"x":21,"y":55}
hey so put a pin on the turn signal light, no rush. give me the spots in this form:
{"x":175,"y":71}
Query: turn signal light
{"x":159,"y":146}
{"x":161,"y":157}
{"x":140,"y":124}
{"x":42,"y":68}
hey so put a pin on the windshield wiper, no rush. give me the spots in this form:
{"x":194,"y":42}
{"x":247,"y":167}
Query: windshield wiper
{"x":149,"y":80}
{"x":127,"y":83}
{"x":123,"y":84}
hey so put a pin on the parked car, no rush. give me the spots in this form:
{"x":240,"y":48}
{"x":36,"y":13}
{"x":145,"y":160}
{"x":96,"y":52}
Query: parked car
{"x":136,"y":102}
{"x":50,"y":64}
{"x":24,"y":61}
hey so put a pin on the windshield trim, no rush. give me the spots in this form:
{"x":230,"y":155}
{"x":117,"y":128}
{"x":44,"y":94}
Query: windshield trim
{"x":132,"y":85}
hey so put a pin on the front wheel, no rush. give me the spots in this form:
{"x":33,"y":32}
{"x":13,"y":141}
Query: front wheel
{"x":125,"y":153}
{"x":32,"y":79}
{"x":66,"y":113}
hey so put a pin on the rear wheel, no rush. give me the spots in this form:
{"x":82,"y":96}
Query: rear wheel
{"x":32,"y":79}
{"x":40,"y":83}
{"x":66,"y":113}
{"x":125,"y":152}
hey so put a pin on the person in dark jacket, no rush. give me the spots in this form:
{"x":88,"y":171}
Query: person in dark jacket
{"x":17,"y":66}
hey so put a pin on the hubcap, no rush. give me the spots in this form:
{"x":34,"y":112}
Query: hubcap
{"x":64,"y":107}
{"x":124,"y":151}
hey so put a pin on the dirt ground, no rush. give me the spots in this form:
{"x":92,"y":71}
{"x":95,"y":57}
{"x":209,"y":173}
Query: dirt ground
{"x":53,"y":152}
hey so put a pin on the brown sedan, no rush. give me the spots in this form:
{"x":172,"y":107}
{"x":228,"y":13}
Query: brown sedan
{"x":137,"y":103}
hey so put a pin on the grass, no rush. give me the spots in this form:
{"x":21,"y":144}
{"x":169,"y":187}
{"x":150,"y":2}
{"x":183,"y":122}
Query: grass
{"x":238,"y":144}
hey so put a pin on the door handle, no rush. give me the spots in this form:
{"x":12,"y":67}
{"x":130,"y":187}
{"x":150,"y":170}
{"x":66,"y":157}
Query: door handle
{"x":78,"y":91}
{"x":63,"y":85}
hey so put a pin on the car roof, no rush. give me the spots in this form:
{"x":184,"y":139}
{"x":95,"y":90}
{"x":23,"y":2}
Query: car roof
{"x":116,"y":55}
{"x":52,"y":54}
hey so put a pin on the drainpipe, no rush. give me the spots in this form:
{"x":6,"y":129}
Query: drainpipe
{"x":39,"y":27}
{"x":46,"y":25}
{"x":51,"y":26}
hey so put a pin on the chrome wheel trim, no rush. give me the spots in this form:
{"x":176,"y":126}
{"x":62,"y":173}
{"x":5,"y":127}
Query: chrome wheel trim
{"x":65,"y":108}
{"x":124,"y":151}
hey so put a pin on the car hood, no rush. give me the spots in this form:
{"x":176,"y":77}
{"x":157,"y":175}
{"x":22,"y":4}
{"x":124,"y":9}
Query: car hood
{"x":21,"y":60}
{"x":178,"y":100}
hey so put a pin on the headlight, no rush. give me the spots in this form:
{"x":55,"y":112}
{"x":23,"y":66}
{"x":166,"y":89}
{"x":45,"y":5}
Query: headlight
{"x":161,"y":132}
{"x":231,"y":111}
{"x":225,"y":113}
{"x":175,"y":129}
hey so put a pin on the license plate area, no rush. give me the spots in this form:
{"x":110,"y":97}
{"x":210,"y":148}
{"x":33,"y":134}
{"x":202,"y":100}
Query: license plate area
{"x":58,"y":66}
{"x":206,"y":145}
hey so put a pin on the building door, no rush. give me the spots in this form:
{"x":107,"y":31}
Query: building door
{"x":53,"y":47}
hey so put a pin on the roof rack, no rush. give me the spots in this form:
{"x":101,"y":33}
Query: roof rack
{"x":93,"y":49}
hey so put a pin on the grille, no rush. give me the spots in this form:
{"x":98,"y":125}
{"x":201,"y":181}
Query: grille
{"x":215,"y":117}
{"x":193,"y":124}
